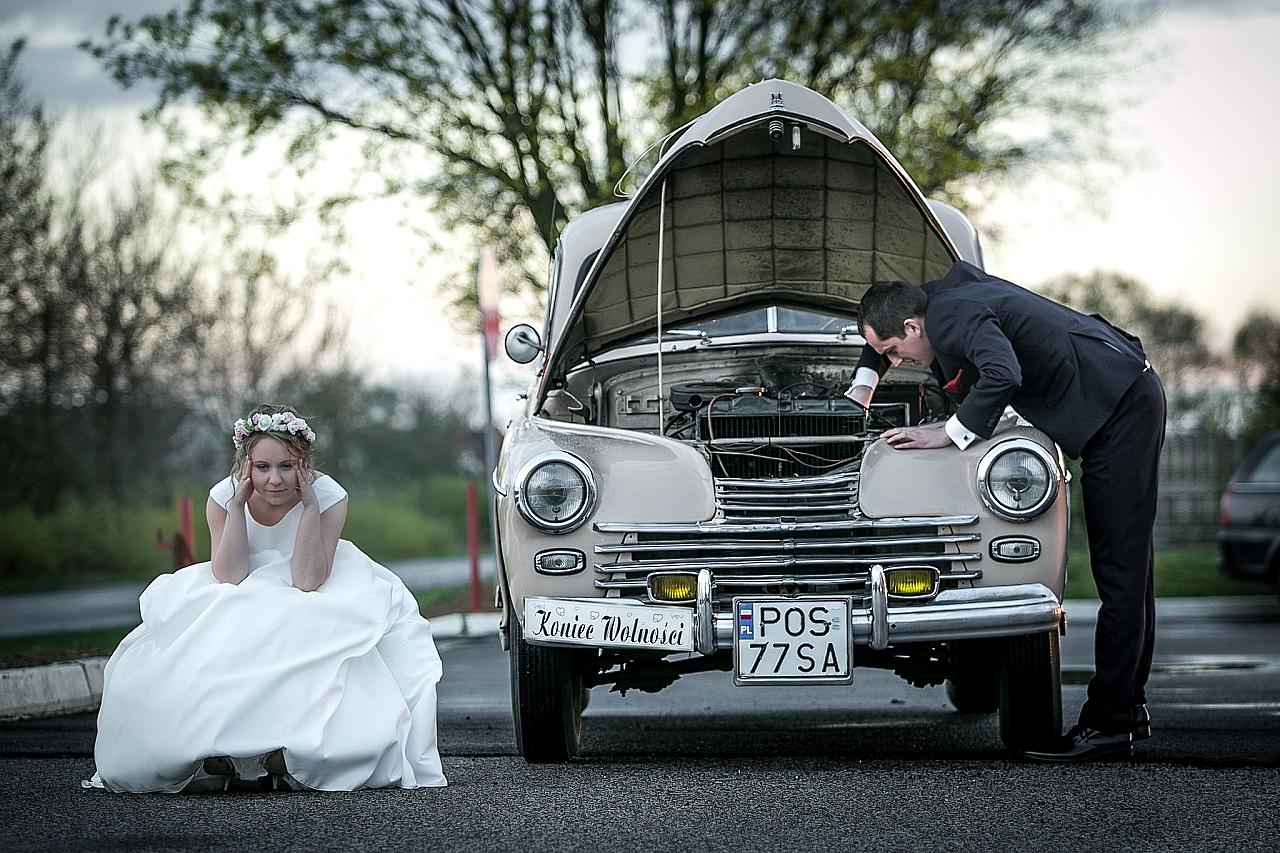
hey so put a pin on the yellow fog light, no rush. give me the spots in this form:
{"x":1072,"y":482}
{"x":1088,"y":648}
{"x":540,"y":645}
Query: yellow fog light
{"x":914,"y":582}
{"x":673,"y":586}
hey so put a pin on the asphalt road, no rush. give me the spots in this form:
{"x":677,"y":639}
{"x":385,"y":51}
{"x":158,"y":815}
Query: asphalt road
{"x":704,"y":765}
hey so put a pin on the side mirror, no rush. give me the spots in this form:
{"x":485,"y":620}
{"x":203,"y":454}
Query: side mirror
{"x":523,"y":344}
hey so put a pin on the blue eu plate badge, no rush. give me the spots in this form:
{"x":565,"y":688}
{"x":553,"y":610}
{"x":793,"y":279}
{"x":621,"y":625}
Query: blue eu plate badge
{"x":746,"y":626}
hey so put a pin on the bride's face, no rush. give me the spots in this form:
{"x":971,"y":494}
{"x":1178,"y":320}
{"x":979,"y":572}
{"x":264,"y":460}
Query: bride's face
{"x":274,"y":471}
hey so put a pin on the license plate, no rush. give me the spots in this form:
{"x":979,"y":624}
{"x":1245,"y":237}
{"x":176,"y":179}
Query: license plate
{"x":562,"y":622}
{"x":790,"y":640}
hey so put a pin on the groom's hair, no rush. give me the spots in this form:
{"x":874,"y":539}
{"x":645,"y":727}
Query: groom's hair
{"x":886,"y":305}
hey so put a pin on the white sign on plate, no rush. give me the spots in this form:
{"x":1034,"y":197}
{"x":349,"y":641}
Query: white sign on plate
{"x":789,"y":640}
{"x":617,"y":625}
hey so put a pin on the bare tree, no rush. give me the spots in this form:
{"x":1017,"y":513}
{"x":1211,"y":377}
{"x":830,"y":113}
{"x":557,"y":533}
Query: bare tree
{"x":39,"y":339}
{"x":507,"y":117}
{"x":1172,"y":334}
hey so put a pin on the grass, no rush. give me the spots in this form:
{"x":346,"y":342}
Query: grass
{"x":1179,"y":572}
{"x":35,"y":651}
{"x":50,"y":648}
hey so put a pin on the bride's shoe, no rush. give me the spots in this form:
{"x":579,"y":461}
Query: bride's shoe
{"x":274,"y":764}
{"x":220,"y":766}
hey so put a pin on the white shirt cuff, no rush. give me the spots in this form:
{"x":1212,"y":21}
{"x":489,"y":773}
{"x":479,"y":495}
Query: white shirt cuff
{"x":958,"y":434}
{"x":865,"y":376}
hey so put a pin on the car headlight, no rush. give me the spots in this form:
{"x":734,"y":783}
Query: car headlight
{"x":1018,"y":479}
{"x":556,"y":493}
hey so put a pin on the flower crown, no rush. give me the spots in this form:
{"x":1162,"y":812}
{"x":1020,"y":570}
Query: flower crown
{"x":280,"y":422}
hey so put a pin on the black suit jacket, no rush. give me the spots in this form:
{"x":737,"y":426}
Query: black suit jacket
{"x":997,"y":344}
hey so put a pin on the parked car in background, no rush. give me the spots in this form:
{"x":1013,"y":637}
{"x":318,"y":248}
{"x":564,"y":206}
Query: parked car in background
{"x":1250,"y":536}
{"x":689,"y":490}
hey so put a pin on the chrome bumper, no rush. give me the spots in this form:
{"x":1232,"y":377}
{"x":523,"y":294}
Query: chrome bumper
{"x":956,"y":614}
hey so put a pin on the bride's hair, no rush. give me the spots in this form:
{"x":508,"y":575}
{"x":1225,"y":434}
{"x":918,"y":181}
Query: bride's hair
{"x":296,"y":442}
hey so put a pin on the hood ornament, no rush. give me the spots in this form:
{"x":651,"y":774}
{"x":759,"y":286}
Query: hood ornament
{"x":775,"y":101}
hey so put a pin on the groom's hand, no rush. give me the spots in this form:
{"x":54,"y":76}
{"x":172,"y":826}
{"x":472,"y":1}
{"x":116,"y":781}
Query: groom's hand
{"x":916,"y":438}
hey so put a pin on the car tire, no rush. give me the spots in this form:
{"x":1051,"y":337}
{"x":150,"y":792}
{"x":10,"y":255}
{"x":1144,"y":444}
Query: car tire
{"x":547,"y":699}
{"x":973,"y":680}
{"x":1030,"y":691}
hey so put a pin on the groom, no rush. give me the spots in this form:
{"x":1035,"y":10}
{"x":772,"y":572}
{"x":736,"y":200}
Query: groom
{"x":1089,"y":387}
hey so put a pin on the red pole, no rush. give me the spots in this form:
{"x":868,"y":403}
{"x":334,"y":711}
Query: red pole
{"x":188,"y":530}
{"x":473,"y":545}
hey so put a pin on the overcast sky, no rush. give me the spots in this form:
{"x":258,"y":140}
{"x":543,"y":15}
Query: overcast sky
{"x":1193,"y":217}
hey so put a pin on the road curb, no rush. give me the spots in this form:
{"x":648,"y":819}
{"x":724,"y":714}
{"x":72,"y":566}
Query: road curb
{"x":46,"y":691}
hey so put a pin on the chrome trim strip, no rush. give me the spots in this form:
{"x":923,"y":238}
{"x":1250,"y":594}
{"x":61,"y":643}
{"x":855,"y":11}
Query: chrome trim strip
{"x":831,"y":495}
{"x":879,"y":596}
{"x":783,"y":562}
{"x":786,"y":482}
{"x":631,"y":584}
{"x":790,"y":508}
{"x":729,"y":528}
{"x":789,"y":544}
{"x":704,"y":637}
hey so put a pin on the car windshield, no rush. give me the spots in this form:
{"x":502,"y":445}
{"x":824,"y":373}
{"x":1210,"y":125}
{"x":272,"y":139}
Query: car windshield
{"x":756,"y":321}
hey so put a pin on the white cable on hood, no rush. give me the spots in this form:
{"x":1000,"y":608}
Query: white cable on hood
{"x":662,"y":219}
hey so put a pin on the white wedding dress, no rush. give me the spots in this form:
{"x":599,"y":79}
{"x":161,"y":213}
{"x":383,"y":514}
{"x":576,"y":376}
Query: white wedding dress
{"x":343,"y":679}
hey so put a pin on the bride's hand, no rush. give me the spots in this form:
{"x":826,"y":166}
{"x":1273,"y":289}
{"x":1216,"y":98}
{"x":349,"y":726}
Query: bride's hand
{"x":305,"y":488}
{"x":245,"y":487}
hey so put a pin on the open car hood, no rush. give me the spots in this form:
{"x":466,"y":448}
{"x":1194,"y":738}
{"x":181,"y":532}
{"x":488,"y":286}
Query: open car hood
{"x":750,"y":219}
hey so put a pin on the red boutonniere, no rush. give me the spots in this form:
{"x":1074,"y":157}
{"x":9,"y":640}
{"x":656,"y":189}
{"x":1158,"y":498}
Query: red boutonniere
{"x":956,"y":385}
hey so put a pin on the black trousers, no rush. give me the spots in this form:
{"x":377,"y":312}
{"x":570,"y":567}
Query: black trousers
{"x":1120,"y":465}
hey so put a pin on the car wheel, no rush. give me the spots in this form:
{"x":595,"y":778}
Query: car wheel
{"x":973,"y":681}
{"x":1030,"y":691}
{"x":547,"y":698}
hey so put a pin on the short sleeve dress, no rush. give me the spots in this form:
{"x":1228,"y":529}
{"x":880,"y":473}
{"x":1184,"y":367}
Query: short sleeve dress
{"x":343,"y":679}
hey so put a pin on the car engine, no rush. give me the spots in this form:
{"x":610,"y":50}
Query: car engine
{"x":776,"y":419}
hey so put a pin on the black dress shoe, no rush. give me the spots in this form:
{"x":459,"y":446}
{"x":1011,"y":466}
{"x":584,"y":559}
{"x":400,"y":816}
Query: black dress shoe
{"x":1082,"y":744}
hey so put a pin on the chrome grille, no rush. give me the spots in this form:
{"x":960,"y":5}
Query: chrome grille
{"x":785,"y":556}
{"x":832,"y":494}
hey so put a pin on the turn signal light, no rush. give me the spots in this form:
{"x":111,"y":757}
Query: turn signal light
{"x":673,"y":586}
{"x":911,"y":583}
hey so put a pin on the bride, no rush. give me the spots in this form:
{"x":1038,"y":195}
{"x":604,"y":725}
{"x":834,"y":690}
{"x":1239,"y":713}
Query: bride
{"x":291,"y":656}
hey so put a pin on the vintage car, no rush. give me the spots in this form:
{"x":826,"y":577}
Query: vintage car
{"x":1249,"y":540}
{"x":688,"y":489}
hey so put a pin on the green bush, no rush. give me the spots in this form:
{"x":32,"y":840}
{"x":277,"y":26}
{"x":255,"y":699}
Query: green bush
{"x":95,"y":540}
{"x":426,"y":519}
{"x":103,"y":540}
